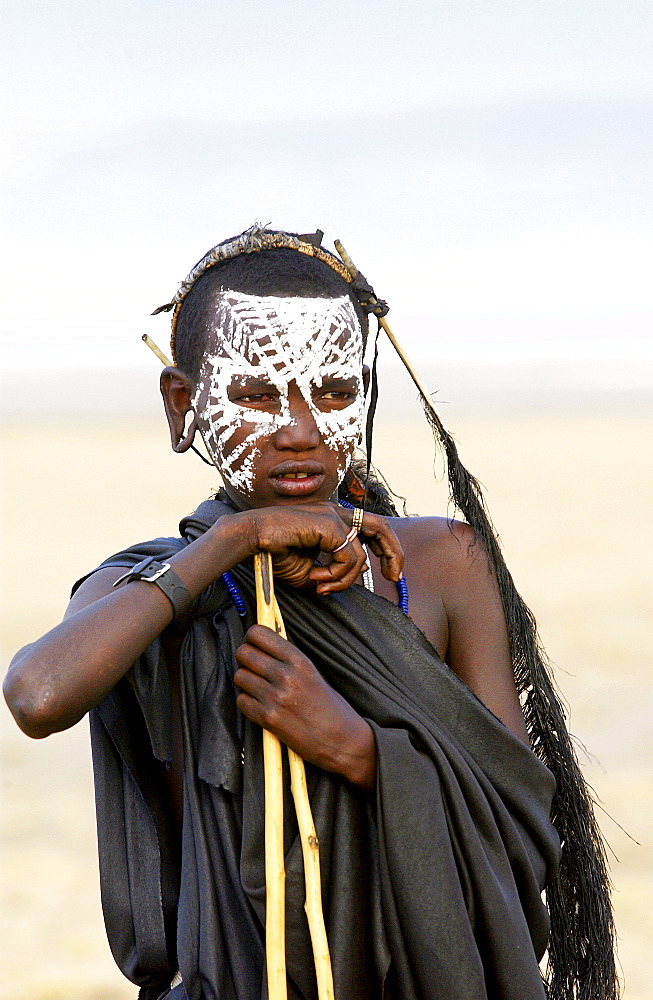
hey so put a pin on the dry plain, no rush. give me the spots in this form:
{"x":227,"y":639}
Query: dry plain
{"x":571,"y":493}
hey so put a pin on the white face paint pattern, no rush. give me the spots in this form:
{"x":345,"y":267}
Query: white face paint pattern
{"x":279,"y":339}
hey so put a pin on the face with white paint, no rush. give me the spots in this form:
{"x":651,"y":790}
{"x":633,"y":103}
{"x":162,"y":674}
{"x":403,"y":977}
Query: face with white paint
{"x":279,"y":401}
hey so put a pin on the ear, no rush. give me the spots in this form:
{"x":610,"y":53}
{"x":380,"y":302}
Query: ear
{"x":177,"y":391}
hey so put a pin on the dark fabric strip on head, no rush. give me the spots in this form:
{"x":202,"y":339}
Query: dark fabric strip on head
{"x":371,"y":410}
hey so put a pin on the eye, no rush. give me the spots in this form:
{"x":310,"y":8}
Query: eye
{"x":258,"y":396}
{"x":253,"y":398}
{"x":336,"y":393}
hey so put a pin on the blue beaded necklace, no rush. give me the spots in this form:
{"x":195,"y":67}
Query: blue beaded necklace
{"x":235,"y":593}
{"x":402,"y":586}
{"x":241,"y":607}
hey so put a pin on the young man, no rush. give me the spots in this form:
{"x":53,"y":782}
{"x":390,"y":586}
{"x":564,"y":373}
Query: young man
{"x":431,"y":809}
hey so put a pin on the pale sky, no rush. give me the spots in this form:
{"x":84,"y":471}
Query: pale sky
{"x":486,"y":164}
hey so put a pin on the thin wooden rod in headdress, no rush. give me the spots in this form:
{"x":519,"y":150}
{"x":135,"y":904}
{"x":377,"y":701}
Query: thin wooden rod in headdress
{"x":169,"y":364}
{"x":156,"y":350}
{"x":374,"y":303}
{"x":581,"y":963}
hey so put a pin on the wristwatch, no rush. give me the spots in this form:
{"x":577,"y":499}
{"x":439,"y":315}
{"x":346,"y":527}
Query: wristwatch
{"x":150,"y":570}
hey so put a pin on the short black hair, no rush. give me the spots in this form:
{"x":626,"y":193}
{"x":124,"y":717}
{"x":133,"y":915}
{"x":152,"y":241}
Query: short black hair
{"x":281,"y":271}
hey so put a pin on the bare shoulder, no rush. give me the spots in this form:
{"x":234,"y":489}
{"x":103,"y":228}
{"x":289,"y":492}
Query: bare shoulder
{"x":446,"y":570}
{"x":460,"y":609}
{"x":447,"y":549}
{"x":94,"y":588}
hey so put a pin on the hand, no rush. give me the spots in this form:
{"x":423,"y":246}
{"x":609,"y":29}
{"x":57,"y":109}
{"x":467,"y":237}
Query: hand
{"x":380,"y":537}
{"x":296,"y":535}
{"x":281,"y":690}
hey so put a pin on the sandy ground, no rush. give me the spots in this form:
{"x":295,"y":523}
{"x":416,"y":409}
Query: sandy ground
{"x":572,"y":496}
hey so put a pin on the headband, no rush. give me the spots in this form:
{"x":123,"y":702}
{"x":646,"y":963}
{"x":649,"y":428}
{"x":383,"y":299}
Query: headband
{"x":254,"y":240}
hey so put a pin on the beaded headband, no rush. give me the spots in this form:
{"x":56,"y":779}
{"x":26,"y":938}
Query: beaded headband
{"x":254,"y":240}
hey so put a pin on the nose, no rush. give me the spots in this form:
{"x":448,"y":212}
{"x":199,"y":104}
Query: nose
{"x":302,"y":434}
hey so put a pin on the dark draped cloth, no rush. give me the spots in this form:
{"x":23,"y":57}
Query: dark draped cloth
{"x":431,"y":886}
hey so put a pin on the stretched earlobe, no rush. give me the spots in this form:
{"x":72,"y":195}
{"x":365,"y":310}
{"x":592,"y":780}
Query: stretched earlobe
{"x":185,"y":442}
{"x":177,"y":391}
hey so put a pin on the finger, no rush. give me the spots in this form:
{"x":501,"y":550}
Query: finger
{"x":267,"y":640}
{"x":340,"y":562}
{"x":384,"y":543}
{"x":263,"y":664}
{"x":255,"y":659}
{"x":293,"y":568}
{"x":338,"y":575}
{"x":252,"y":684}
{"x":392,"y":559}
{"x":342,"y":553}
{"x":380,"y":537}
{"x":263,"y":715}
{"x":270,"y":655}
{"x":251,"y":708}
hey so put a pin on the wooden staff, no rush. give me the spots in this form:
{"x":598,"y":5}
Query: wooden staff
{"x":311,"y":854}
{"x":275,"y":874}
{"x":268,"y":613}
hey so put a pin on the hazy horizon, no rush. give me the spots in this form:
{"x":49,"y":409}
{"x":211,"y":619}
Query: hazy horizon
{"x":487,"y":166}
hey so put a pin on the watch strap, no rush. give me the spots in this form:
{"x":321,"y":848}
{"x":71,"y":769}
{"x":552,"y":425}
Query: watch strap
{"x":151,"y":570}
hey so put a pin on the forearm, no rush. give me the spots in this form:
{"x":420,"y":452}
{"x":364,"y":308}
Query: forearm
{"x":282,"y":691}
{"x":359,"y":765}
{"x":345,"y":746}
{"x":230,"y":541}
{"x":53,"y":682}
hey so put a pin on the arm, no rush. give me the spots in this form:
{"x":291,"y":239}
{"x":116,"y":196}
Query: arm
{"x":478,"y":648}
{"x":53,"y":682}
{"x":455,"y":601}
{"x":281,"y":690}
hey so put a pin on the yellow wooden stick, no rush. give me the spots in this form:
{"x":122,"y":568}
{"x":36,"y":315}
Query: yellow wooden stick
{"x":353,"y":270}
{"x":268,"y":613}
{"x":275,"y":874}
{"x":311,"y":853}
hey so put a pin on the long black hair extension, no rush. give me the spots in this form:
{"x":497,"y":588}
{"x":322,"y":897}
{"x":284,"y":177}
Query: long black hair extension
{"x":581,"y":952}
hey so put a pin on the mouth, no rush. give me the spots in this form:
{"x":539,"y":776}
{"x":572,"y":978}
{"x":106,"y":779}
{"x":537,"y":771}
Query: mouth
{"x":297,"y":478}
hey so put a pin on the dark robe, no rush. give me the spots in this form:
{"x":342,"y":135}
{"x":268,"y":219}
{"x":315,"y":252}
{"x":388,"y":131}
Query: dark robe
{"x":431,"y":887}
